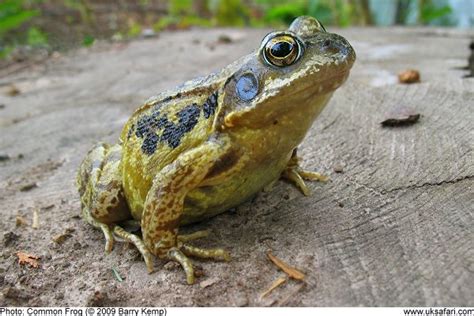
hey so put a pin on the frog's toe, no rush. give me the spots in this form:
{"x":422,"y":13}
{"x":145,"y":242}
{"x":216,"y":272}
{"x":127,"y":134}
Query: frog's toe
{"x":296,"y":175}
{"x":313,"y":176}
{"x":181,"y":252}
{"x":213,"y":253}
{"x":176,"y":255}
{"x":109,"y":237}
{"x":193,"y":236}
{"x":134,"y":239}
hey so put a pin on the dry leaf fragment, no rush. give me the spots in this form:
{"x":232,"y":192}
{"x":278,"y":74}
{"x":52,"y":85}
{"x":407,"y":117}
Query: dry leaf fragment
{"x":224,"y":39}
{"x":13,"y":90}
{"x":274,"y":285}
{"x":4,"y":157}
{"x":28,"y":186}
{"x":61,"y":238}
{"x":208,"y":282}
{"x":20,"y":221}
{"x":401,"y":116}
{"x":292,"y":272}
{"x":25,"y":258}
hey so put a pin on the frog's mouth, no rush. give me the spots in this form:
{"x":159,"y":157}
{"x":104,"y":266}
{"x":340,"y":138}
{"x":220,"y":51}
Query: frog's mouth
{"x":312,"y":97}
{"x":318,"y":83}
{"x":327,"y":84}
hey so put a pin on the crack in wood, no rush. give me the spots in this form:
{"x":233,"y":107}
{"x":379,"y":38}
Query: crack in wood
{"x":408,"y":187}
{"x":428,"y":184}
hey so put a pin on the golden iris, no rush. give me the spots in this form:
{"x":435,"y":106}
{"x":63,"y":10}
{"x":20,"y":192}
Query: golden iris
{"x":282,"y":51}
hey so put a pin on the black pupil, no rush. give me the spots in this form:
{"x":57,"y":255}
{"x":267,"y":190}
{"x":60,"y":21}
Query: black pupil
{"x":281,"y":49}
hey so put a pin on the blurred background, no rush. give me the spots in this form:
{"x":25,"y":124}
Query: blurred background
{"x":58,"y":25}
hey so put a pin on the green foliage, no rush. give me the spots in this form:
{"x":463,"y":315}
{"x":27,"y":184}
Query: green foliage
{"x":345,"y":13}
{"x":164,"y":23}
{"x":321,"y":10}
{"x":229,"y":12}
{"x":285,"y":13}
{"x":188,"y":21}
{"x":6,"y":50}
{"x":13,"y":15}
{"x":430,"y":12}
{"x":134,"y":30}
{"x":180,"y":21}
{"x":88,"y":40}
{"x":82,"y":7}
{"x":180,"y":7}
{"x":19,"y":18}
{"x":36,"y":38}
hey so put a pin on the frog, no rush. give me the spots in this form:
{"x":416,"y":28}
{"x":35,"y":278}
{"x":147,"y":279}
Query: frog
{"x":213,"y":143}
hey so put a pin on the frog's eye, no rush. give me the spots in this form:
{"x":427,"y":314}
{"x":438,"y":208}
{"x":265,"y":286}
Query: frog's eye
{"x":282,"y":50}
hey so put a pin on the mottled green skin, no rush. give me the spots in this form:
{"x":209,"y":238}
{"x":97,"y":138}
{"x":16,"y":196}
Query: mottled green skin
{"x":185,"y":156}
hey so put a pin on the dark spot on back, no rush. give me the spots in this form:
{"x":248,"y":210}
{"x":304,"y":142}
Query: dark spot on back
{"x":147,"y":127}
{"x":148,"y":123}
{"x":209,"y":107}
{"x":150,"y":143}
{"x":188,"y":118}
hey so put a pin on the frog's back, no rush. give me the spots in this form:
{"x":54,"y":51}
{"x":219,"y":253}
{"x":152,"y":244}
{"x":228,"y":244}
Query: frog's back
{"x":159,"y":131}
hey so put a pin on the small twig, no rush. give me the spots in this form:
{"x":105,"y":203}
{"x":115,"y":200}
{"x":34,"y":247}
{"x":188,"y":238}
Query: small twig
{"x":292,"y":272}
{"x":274,"y":285}
{"x":35,"y":219}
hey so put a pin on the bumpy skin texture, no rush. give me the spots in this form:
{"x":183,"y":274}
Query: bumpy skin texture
{"x":213,"y":143}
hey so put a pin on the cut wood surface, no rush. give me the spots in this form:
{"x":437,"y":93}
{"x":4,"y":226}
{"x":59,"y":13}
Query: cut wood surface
{"x":393,"y":226}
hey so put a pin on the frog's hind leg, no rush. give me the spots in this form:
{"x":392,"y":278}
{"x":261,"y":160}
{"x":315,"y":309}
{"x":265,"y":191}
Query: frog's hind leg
{"x":165,"y":201}
{"x":295,"y":174}
{"x":100,"y":190}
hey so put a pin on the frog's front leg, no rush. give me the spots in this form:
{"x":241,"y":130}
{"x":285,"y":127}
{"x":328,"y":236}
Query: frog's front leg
{"x":165,"y":203}
{"x":295,"y":174}
{"x":102,"y":200}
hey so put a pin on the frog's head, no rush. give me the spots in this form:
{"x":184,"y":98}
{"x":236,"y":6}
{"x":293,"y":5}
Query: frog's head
{"x":293,"y":71}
